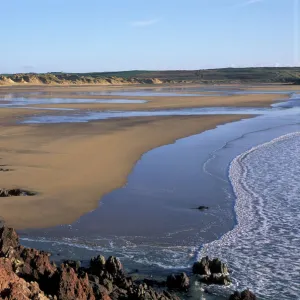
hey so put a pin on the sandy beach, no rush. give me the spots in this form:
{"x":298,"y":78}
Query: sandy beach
{"x":166,"y":102}
{"x":153,"y":102}
{"x":71,"y":166}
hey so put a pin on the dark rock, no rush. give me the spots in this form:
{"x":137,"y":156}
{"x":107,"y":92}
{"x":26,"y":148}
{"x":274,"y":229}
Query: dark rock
{"x":30,"y":264}
{"x":97,"y":264}
{"x":202,"y":207}
{"x":180,"y":282}
{"x":219,"y":279}
{"x":100,"y":292}
{"x":202,"y":267}
{"x":35,"y":264}
{"x":72,"y":287}
{"x":216,"y":266}
{"x":124,"y":283}
{"x":212,"y":271}
{"x":235,"y":296}
{"x":29,"y":272}
{"x":119,"y":294}
{"x":245,"y":295}
{"x":8,"y":239}
{"x":108,"y":285}
{"x":15,"y":192}
{"x":73,"y":264}
{"x":93,"y":278}
{"x":154,"y":283}
{"x":114,"y":266}
{"x":143,"y":292}
{"x":13,"y":287}
{"x":81,"y":272}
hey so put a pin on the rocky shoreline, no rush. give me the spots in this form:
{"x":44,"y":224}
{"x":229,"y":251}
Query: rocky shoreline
{"x":27,"y":273}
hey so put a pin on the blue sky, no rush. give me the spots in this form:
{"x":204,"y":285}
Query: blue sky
{"x":103,"y":35}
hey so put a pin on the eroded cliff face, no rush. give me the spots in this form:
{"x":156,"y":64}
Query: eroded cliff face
{"x":69,"y":79}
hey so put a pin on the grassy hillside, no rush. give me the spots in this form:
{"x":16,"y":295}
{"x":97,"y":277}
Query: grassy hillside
{"x":225,"y":75}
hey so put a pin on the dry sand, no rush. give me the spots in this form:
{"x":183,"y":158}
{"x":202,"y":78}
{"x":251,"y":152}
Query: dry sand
{"x":72,"y":166}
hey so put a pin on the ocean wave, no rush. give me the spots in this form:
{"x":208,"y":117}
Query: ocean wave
{"x":262,"y":248}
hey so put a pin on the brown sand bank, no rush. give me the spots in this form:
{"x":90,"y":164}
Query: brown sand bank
{"x":71,"y":166}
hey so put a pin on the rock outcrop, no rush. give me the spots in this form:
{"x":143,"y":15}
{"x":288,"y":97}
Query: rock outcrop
{"x":12,"y":287}
{"x":29,"y":274}
{"x":15,"y":192}
{"x":245,"y":295}
{"x":72,"y":286}
{"x":212,"y":271}
{"x":179,"y":282}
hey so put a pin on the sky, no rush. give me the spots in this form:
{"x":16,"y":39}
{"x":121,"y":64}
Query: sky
{"x":113,"y":35}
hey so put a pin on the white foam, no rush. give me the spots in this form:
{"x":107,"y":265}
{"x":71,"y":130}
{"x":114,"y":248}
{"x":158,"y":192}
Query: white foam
{"x":262,"y":249}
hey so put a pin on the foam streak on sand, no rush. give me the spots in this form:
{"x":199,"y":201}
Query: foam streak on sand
{"x":263,"y":247}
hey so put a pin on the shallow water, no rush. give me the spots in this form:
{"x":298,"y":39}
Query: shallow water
{"x":164,"y":187}
{"x":185,"y":92}
{"x":263,"y":249}
{"x":151,"y":223}
{"x":12,"y":101}
{"x":81,"y":117}
{"x":210,"y":91}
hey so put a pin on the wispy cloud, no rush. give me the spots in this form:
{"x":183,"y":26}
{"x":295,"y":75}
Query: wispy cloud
{"x":144,"y":23}
{"x":249,"y":2}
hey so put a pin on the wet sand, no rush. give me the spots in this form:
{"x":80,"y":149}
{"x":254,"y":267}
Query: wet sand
{"x":154,"y":102}
{"x":10,"y":116}
{"x":164,"y":102}
{"x":71,"y":166}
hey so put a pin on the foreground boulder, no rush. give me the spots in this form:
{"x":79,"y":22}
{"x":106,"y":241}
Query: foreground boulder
{"x":71,"y":286}
{"x":245,"y":295}
{"x":212,"y":271}
{"x":13,"y":287}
